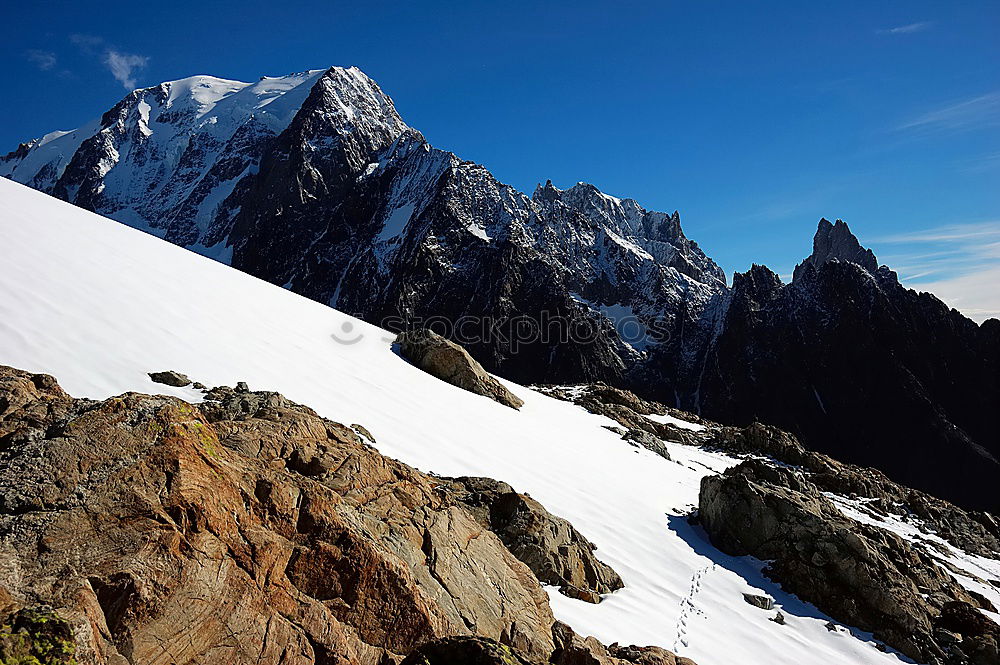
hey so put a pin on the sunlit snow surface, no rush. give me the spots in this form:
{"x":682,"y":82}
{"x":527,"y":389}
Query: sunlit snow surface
{"x":98,"y":305}
{"x":676,"y":422}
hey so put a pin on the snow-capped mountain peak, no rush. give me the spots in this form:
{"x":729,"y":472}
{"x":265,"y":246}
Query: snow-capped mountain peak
{"x":165,"y":158}
{"x":313,"y":181}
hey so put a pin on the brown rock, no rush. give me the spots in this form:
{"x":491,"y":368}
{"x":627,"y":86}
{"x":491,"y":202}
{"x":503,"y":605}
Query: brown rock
{"x":551,"y":547}
{"x":244,"y":530}
{"x":449,"y":362}
{"x":165,"y":534}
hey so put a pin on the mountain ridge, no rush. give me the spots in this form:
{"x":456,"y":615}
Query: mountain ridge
{"x":351,"y":207}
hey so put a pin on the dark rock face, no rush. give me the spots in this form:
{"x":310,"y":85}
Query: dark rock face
{"x":857,"y":366}
{"x":858,"y":574}
{"x":451,"y":363}
{"x":550,"y":546}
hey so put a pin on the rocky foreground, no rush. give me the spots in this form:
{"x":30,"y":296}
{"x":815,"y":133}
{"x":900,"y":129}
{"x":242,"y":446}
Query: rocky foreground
{"x":247,"y":529}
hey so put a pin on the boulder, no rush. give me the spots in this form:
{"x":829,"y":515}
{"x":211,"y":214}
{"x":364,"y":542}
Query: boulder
{"x":648,"y":441}
{"x":858,"y":574}
{"x":170,"y":378}
{"x":550,"y":546}
{"x":449,"y":362}
{"x":763,"y":602}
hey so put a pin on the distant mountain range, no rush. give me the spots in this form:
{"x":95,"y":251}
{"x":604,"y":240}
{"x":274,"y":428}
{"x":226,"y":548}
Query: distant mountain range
{"x":312,"y":181}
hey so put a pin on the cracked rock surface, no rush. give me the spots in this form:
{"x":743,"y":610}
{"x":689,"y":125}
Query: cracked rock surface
{"x":246,"y":529}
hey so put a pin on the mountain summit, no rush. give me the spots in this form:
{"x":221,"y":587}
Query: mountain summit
{"x":835,"y":242}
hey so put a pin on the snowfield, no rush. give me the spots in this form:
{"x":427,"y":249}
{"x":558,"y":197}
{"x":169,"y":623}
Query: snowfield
{"x":98,"y":305}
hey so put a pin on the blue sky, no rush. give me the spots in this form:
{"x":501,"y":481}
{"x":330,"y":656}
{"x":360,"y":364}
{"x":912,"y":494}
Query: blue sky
{"x":753,"y":119}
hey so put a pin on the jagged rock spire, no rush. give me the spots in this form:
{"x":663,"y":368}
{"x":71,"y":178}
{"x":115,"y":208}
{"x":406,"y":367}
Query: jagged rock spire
{"x":835,"y":242}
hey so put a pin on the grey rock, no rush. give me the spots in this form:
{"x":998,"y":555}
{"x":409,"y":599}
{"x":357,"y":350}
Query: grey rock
{"x":170,"y":378}
{"x":763,"y":602}
{"x":363,"y":431}
{"x":858,"y":574}
{"x":647,"y":441}
{"x":449,"y":362}
{"x":630,"y":411}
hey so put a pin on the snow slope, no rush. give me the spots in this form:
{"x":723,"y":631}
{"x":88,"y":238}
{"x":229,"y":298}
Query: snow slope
{"x":98,"y":304}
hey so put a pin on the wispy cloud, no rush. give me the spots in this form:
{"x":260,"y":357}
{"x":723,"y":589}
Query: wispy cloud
{"x":959,"y":263}
{"x":44,"y":60}
{"x":971,"y":113}
{"x":906,"y":29}
{"x":124,"y":66}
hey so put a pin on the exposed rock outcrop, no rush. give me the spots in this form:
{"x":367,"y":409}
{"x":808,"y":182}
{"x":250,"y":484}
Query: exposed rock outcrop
{"x":550,"y":546}
{"x":249,"y":531}
{"x":449,"y":362}
{"x":630,"y":411}
{"x":835,"y":242}
{"x":859,"y":574}
{"x":243,"y":530}
{"x":973,"y":531}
